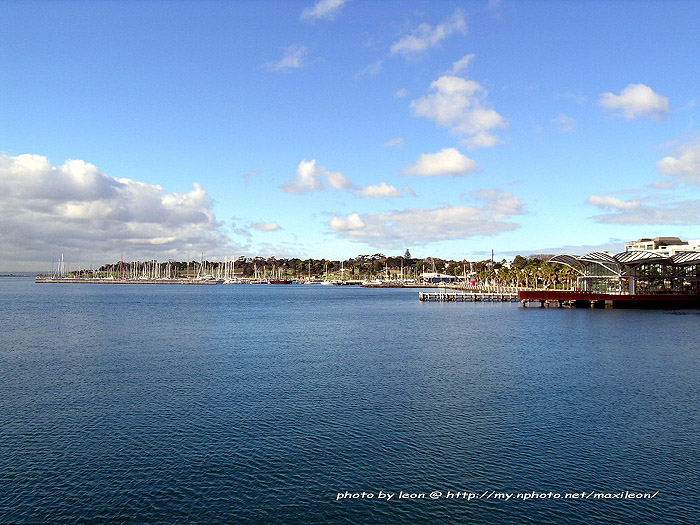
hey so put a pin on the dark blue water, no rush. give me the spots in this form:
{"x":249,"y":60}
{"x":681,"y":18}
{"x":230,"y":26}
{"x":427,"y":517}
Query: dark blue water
{"x":261,"y":404}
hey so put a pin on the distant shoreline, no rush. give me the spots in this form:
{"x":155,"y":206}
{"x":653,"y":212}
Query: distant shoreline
{"x":69,"y":280}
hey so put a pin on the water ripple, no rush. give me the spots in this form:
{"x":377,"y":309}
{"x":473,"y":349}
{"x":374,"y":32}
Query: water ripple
{"x":261,"y":404}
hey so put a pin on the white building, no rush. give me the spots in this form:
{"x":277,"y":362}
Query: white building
{"x":665,"y":246}
{"x":438,"y":278}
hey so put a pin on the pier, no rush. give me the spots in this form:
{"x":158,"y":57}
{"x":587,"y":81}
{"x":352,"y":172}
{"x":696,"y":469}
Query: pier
{"x":576,"y":299}
{"x":468,"y":297}
{"x":568,"y":299}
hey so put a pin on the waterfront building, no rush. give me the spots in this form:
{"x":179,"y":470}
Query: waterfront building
{"x":438,"y":278}
{"x":636,"y":271}
{"x":665,"y":246}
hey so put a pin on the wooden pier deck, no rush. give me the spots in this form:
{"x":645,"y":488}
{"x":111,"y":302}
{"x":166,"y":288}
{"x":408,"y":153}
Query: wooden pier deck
{"x":578,"y":299}
{"x":468,"y":297}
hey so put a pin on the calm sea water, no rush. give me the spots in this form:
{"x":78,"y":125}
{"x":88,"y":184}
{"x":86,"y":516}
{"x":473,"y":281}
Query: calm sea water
{"x":263,"y":404}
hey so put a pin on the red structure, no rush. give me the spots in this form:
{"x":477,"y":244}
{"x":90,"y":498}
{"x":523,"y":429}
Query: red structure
{"x":609,"y":300}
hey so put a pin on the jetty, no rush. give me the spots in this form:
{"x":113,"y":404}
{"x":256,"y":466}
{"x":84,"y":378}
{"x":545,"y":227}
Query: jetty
{"x":578,"y":299}
{"x":568,"y":299}
{"x":468,"y":297}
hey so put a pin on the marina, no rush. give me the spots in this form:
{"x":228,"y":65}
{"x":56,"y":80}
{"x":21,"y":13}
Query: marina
{"x":88,"y":280}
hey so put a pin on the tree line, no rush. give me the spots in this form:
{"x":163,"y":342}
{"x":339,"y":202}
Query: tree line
{"x":521,"y":271}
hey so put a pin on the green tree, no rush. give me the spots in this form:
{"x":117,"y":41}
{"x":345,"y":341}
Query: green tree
{"x":519,"y":262}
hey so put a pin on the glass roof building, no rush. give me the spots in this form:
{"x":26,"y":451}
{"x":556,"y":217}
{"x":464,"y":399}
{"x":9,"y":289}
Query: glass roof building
{"x":635,"y":272}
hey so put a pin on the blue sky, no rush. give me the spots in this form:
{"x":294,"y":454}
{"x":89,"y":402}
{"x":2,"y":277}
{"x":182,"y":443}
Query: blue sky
{"x":334,"y":128}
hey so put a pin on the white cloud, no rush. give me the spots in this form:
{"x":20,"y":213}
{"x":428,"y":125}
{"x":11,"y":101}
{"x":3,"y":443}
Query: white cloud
{"x":411,"y":227}
{"x":612,"y":203}
{"x":307,"y":178}
{"x":612,"y":245}
{"x":338,"y":180}
{"x":425,"y":36}
{"x":461,"y":64}
{"x":448,"y":161}
{"x":500,"y":204}
{"x":459,"y":105}
{"x":266,"y":226}
{"x":394,"y":143}
{"x":310,"y":178}
{"x":77,"y":209}
{"x":327,"y":9}
{"x":294,"y":57}
{"x":401,"y":93}
{"x":451,"y":98}
{"x":382,"y":190}
{"x":637,"y":101}
{"x":654,"y":209}
{"x":409,"y":191}
{"x":352,"y":222}
{"x":240,"y":231}
{"x":685,"y":212}
{"x":565,"y":123}
{"x":483,"y":139}
{"x":370,"y":70}
{"x":662,"y":185}
{"x":685,"y":166}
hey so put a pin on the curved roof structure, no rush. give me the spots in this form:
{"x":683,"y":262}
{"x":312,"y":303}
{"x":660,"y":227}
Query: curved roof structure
{"x":686,"y":258}
{"x":569,"y":260}
{"x":598,"y":257}
{"x":642,"y":271}
{"x":634,"y":258}
{"x":627,"y":259}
